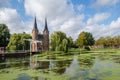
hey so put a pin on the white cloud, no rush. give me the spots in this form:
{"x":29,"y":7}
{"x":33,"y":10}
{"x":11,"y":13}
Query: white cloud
{"x":51,"y":8}
{"x":98,"y":18}
{"x":20,"y":1}
{"x":103,"y":3}
{"x":102,"y":30}
{"x":73,"y":26}
{"x":80,"y":7}
{"x":12,"y":19}
{"x":60,"y":15}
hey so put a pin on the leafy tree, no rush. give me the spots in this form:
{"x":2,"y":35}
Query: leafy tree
{"x":81,"y":41}
{"x":90,"y":39}
{"x":75,"y":45}
{"x":85,"y":39}
{"x":108,"y":42}
{"x":65,"y":45}
{"x":100,"y":41}
{"x":70,"y":42}
{"x":17,"y":42}
{"x":4,"y":35}
{"x":59,"y":41}
{"x":116,"y":41}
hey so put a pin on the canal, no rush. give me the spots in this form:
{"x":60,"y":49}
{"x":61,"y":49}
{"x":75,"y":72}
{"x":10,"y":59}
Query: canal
{"x":96,"y":66}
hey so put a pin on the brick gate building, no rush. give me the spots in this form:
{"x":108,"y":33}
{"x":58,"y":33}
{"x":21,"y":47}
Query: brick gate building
{"x":41,"y":40}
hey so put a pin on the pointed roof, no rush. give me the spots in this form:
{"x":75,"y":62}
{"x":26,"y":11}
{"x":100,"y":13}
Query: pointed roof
{"x":35,"y":24}
{"x":46,"y":28}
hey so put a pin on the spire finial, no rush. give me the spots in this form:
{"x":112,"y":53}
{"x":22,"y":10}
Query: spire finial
{"x":35,"y":24}
{"x":46,"y":28}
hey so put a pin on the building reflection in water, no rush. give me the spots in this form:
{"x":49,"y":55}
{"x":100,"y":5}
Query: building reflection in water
{"x":33,"y":62}
{"x":51,"y":65}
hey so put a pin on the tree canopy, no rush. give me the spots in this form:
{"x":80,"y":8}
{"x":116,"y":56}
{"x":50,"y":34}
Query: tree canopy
{"x":59,"y":41}
{"x":70,"y":42}
{"x":17,"y":42}
{"x":4,"y":35}
{"x":85,"y":39}
{"x":108,"y":41}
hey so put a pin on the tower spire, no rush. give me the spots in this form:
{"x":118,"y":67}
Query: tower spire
{"x":35,"y":30}
{"x":35,"y":24}
{"x":46,"y":28}
{"x":46,"y":37}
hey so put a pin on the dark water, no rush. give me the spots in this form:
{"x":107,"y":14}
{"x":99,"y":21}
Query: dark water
{"x":76,"y":68}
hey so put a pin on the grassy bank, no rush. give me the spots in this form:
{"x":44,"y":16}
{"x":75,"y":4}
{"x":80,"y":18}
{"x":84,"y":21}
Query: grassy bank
{"x":103,"y":50}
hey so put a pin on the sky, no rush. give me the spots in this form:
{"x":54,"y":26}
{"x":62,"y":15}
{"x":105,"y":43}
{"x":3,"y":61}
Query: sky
{"x":99,"y":17}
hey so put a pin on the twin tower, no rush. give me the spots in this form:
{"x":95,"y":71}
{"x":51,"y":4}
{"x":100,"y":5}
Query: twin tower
{"x":40,"y":41}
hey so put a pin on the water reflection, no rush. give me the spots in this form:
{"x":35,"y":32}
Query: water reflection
{"x":49,"y":65}
{"x":33,"y":62}
{"x":27,"y":77}
{"x":60,"y":66}
{"x":14,"y":62}
{"x":74,"y":67}
{"x":78,"y":68}
{"x":76,"y":71}
{"x":23,"y":77}
{"x":86,"y":62}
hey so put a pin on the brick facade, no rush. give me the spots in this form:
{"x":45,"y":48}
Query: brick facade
{"x":43,"y":38}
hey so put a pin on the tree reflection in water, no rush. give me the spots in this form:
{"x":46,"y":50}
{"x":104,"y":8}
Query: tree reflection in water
{"x":57,"y":66}
{"x":78,"y":67}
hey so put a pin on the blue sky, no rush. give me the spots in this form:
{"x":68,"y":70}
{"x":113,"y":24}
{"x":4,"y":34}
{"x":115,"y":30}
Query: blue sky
{"x":100,"y":17}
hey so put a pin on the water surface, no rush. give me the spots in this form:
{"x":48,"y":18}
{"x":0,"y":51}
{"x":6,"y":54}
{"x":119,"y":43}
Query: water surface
{"x":61,"y":67}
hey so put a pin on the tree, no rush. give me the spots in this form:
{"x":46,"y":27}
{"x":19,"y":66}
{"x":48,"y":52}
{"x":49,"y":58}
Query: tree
{"x":116,"y":41}
{"x":70,"y":42}
{"x":90,"y":39}
{"x":100,"y":41}
{"x":4,"y":35}
{"x":58,"y":41}
{"x":65,"y":45}
{"x":85,"y":39}
{"x":108,"y":42}
{"x":17,"y":42}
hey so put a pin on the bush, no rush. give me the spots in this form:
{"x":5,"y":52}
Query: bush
{"x":87,"y":48}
